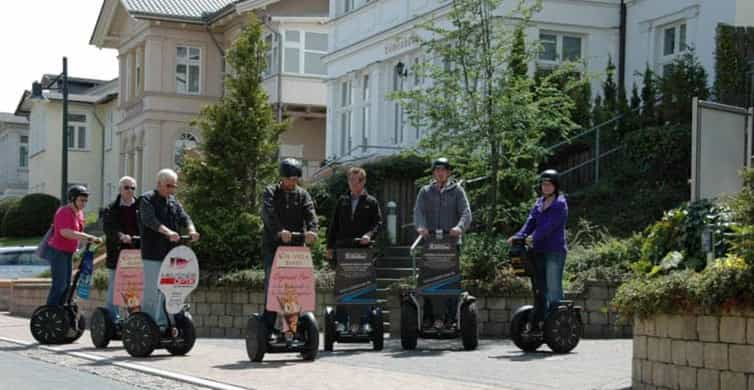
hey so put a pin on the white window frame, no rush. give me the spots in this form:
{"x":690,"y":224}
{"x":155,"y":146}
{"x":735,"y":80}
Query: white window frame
{"x":23,"y":147}
{"x":301,"y":49}
{"x":366,"y":109}
{"x":188,"y":64}
{"x":559,"y":36}
{"x":345,"y":115}
{"x":680,"y":46}
{"x":272,"y":54}
{"x":77,"y":126}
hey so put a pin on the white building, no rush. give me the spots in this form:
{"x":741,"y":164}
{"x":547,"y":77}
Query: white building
{"x":93,"y":150}
{"x":14,"y":155}
{"x":368,"y":38}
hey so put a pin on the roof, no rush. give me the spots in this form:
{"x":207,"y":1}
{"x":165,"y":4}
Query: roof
{"x":181,"y":9}
{"x":11,"y":118}
{"x":81,"y":90}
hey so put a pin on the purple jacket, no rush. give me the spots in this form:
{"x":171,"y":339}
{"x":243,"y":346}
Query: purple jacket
{"x":547,"y":227}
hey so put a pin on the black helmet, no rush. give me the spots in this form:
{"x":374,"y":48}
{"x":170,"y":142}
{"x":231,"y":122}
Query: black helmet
{"x":441,"y":162}
{"x":290,"y":167}
{"x":552,"y":176}
{"x":75,"y":191}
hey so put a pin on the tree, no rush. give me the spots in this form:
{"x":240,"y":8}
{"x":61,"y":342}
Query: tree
{"x":482,"y":110}
{"x":582,"y":111}
{"x":685,"y":79}
{"x":610,"y":89}
{"x":238,"y":157}
{"x":633,"y":119}
{"x":648,"y":98}
{"x":518,"y":63}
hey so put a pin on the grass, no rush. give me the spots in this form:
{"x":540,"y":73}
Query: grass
{"x":11,"y":241}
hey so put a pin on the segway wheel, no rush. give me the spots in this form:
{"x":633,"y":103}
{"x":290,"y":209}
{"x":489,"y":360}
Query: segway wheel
{"x":186,"y":335}
{"x":469,"y":326}
{"x":102,"y":328}
{"x":49,"y":324}
{"x":378,"y":330}
{"x":409,"y":326}
{"x":77,"y":323}
{"x":256,"y":338}
{"x":310,"y":335}
{"x":563,"y":330}
{"x":329,"y":330}
{"x":518,"y":326}
{"x":140,"y":335}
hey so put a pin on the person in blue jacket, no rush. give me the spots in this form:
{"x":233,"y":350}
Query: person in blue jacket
{"x":546,"y":225}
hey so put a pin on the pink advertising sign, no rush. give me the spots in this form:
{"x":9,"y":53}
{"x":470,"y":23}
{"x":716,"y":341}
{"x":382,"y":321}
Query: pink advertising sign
{"x":129,"y":280}
{"x":291,"y":287}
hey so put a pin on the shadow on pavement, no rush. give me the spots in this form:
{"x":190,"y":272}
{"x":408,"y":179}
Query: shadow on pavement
{"x":245,"y":364}
{"x":128,"y":359}
{"x":519,"y":356}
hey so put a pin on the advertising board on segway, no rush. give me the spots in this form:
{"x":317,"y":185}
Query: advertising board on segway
{"x":291,"y":293}
{"x":355,"y":292}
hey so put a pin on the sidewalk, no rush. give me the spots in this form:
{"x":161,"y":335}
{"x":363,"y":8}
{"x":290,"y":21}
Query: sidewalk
{"x":597,"y":364}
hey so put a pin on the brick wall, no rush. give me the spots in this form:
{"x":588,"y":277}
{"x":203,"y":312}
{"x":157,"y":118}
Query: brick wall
{"x":599,"y":318}
{"x":705,"y":352}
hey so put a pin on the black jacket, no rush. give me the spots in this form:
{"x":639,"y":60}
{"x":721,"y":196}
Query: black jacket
{"x":154,"y":210}
{"x":292,"y":211}
{"x":112,"y":227}
{"x":345,"y":225}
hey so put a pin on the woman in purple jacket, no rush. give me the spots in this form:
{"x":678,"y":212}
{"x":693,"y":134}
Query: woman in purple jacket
{"x":546,"y":225}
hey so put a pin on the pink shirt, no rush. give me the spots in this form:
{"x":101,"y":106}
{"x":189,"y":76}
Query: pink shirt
{"x":66,"y":218}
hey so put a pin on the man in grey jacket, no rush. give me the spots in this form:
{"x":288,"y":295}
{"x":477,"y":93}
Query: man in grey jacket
{"x":441,"y":205}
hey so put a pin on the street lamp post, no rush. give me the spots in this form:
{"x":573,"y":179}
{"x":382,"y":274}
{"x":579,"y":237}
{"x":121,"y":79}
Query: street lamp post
{"x":36,"y":93}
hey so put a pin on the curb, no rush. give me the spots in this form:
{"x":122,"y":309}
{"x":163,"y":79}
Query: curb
{"x":134,"y":367}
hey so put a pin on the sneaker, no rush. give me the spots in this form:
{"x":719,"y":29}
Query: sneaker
{"x":340,"y":328}
{"x":355,"y":328}
{"x":274,"y":336}
{"x":439,"y":324}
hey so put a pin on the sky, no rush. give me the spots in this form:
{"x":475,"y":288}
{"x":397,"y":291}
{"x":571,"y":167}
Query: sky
{"x":36,"y":34}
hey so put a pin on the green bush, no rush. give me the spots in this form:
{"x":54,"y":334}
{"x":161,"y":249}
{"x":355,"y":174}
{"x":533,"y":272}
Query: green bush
{"x":5,"y":205}
{"x":31,"y":216}
{"x":100,"y":279}
{"x":725,"y":284}
{"x":481,"y":255}
{"x":609,"y":260}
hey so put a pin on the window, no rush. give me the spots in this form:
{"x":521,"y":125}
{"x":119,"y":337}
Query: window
{"x":23,"y":152}
{"x":138,"y":79}
{"x":365,"y":113}
{"x":184,"y":143}
{"x":110,"y":130}
{"x":559,"y":47}
{"x":76,"y":136}
{"x":397,"y":109}
{"x":303,"y":51}
{"x":674,"y":40}
{"x":272,"y":55}
{"x":348,"y":5}
{"x":346,"y":99}
{"x":187,"y":70}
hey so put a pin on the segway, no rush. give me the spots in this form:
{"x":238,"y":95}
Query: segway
{"x":439,"y":276}
{"x":290,"y":293}
{"x":179,"y":276}
{"x":562,"y":326}
{"x":63,"y":323}
{"x":128,"y":293}
{"x":355,"y":288}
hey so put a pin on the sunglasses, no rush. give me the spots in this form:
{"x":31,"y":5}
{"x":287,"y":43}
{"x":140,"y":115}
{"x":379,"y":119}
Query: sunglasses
{"x":129,"y":188}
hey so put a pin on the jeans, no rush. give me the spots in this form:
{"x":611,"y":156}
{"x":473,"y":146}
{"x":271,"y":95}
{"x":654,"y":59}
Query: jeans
{"x":548,"y":282}
{"x":111,"y":308}
{"x":269,"y":317}
{"x":61,"y":265}
{"x":153,"y":303}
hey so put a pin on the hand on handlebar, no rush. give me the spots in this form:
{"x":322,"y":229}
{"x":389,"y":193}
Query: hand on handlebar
{"x":365,"y":240}
{"x":173,"y":236}
{"x":456,"y":232}
{"x":310,"y":237}
{"x":285,"y":236}
{"x":423,"y":232}
{"x":194,"y":236}
{"x":125,"y":239}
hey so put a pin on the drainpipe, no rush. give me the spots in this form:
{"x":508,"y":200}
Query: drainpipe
{"x":622,"y":61}
{"x":102,"y":160}
{"x":222,"y":54}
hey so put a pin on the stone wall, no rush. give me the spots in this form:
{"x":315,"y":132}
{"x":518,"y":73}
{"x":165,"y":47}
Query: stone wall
{"x":223,"y":312}
{"x":4,"y":295}
{"x":705,"y":352}
{"x":599,"y":318}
